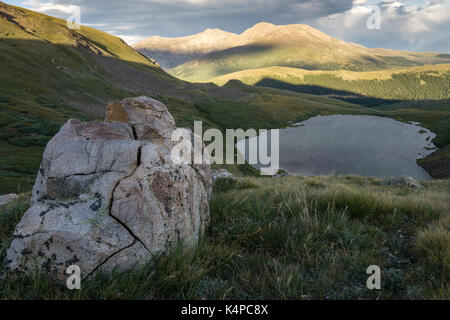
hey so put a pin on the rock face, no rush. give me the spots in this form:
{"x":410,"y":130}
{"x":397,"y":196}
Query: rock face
{"x":108,"y":195}
{"x":8,"y":198}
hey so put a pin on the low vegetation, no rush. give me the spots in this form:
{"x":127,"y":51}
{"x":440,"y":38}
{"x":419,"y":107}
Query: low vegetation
{"x":24,"y":133}
{"x":292,"y":238}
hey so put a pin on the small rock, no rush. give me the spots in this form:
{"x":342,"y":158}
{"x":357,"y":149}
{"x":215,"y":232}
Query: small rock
{"x":8,"y":198}
{"x":281,"y":173}
{"x":405,"y":182}
{"x":221,"y":173}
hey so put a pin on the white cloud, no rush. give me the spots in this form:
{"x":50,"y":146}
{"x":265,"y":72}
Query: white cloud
{"x":50,"y":7}
{"x":130,"y":39}
{"x":408,"y":27}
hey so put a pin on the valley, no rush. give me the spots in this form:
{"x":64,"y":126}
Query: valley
{"x":406,"y":86}
{"x":348,"y":117}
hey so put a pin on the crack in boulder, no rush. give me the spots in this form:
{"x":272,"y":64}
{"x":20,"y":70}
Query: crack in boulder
{"x":107,"y":259}
{"x":112,"y":200}
{"x":108,"y":195}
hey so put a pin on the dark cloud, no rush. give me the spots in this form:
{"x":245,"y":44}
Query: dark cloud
{"x":409,"y":25}
{"x":174,"y":18}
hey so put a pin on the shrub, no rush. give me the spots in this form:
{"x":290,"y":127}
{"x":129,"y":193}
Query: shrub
{"x":224,"y":184}
{"x":29,"y":141}
{"x":433,"y":247}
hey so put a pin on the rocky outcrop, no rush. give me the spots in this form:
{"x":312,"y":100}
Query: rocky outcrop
{"x":108,"y":195}
{"x":8,"y":198}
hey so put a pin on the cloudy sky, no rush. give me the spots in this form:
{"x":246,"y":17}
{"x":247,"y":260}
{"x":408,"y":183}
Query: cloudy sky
{"x":421,"y":25}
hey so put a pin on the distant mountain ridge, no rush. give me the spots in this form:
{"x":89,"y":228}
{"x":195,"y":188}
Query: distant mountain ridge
{"x":172,"y":52}
{"x":215,"y":52}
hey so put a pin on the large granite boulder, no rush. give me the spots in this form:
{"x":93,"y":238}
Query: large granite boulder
{"x":108,"y":195}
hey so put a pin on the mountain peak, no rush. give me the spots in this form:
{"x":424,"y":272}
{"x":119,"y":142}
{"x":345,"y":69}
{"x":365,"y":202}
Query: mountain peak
{"x":214,"y":31}
{"x":260,"y":27}
{"x":212,"y":35}
{"x":263,"y":25}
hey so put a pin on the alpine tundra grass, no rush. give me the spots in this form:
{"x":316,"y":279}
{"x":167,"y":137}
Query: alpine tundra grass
{"x":292,"y":238}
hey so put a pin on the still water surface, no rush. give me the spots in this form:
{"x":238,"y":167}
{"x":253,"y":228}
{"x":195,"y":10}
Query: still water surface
{"x":354,"y":144}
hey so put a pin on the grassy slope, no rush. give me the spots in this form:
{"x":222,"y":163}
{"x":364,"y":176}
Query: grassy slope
{"x":49,"y":74}
{"x":437,"y":164}
{"x":292,"y":238}
{"x":283,"y":107}
{"x":223,"y":63}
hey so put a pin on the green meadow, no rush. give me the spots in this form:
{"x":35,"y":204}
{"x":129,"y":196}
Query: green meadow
{"x":292,"y":238}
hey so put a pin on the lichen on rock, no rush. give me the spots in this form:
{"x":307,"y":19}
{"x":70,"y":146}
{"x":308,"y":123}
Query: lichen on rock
{"x":108,"y":195}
